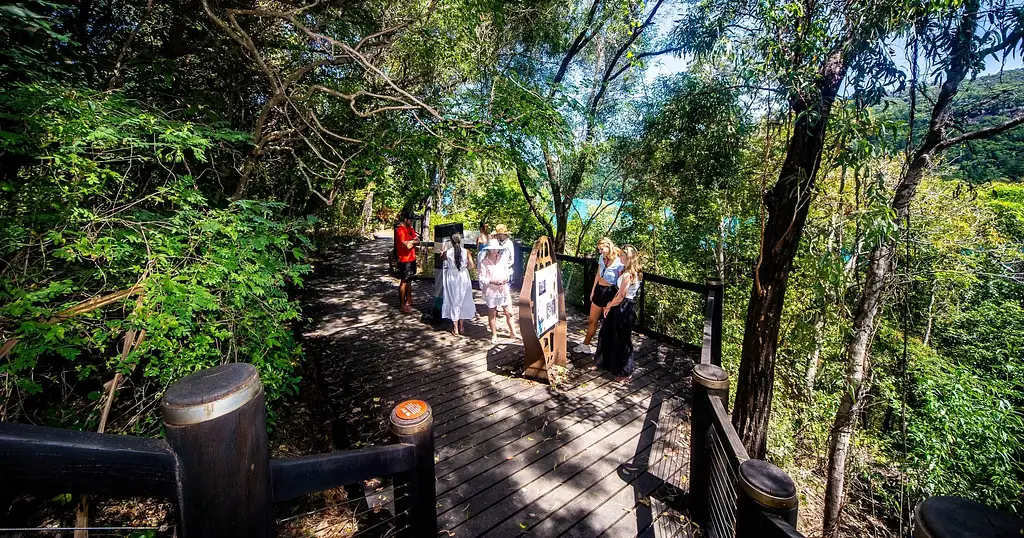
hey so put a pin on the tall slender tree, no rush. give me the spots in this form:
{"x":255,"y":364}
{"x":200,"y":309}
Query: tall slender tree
{"x":952,"y":41}
{"x":609,"y":39}
{"x":803,"y":51}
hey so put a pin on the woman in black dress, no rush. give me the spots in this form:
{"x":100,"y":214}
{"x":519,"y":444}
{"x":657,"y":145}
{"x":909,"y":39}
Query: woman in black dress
{"x":615,"y":342}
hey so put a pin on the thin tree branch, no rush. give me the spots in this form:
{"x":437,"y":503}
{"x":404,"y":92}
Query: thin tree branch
{"x":606,"y":80}
{"x":116,"y":76}
{"x":980,"y":133}
{"x":520,"y":176}
{"x":581,"y":41}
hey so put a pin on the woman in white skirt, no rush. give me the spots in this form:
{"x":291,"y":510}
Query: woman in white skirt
{"x":458,"y":287}
{"x":494,"y":278}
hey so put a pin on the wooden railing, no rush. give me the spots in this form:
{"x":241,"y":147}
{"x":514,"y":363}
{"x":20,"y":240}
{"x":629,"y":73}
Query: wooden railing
{"x":215,"y":462}
{"x":666,"y":307}
{"x":730,"y":494}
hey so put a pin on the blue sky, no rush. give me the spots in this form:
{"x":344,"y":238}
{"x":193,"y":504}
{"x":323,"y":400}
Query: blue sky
{"x":668,"y":64}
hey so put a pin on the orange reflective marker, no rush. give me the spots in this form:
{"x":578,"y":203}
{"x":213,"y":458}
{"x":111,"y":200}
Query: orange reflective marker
{"x":411,"y":409}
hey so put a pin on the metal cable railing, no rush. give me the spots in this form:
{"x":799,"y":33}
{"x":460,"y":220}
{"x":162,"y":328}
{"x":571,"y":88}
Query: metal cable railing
{"x":722,"y":494}
{"x":725,"y":453}
{"x":729,"y":492}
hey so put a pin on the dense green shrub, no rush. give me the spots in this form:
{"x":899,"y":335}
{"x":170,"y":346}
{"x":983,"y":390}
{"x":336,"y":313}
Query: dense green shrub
{"x":964,"y":426}
{"x":105,"y":201}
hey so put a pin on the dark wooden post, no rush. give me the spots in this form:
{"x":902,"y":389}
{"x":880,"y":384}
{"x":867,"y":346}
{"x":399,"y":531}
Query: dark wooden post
{"x":216,"y":425}
{"x":412,"y":422}
{"x":717,"y":290}
{"x":944,"y":516}
{"x":763,"y":489}
{"x":641,"y":301}
{"x":517,"y":264}
{"x":589,"y":274}
{"x":708,"y":380}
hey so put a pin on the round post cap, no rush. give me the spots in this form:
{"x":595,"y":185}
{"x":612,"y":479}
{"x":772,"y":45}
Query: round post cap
{"x":710,"y":376}
{"x":768,"y":485}
{"x":956,"y":517}
{"x":210,"y":393}
{"x":411,"y":417}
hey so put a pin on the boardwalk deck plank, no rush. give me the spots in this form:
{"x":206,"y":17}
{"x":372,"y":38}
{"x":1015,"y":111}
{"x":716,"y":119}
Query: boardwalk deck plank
{"x":514,"y":457}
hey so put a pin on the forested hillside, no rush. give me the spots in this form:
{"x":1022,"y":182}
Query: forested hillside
{"x":987,"y":100}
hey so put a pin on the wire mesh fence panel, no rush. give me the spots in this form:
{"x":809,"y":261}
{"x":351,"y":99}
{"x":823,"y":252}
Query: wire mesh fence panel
{"x":673,"y":312}
{"x":425,"y":261}
{"x":722,"y":491}
{"x":573,"y":276}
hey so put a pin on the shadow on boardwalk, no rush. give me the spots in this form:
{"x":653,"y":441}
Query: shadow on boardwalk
{"x":514,"y":457}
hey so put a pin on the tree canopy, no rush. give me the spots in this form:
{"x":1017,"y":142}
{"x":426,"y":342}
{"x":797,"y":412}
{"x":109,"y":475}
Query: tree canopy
{"x":170,"y":173}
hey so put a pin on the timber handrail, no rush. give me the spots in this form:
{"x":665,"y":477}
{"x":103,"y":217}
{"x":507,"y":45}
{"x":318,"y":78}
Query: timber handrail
{"x":215,"y":464}
{"x":712,"y":292}
{"x":731,"y":494}
{"x":39,"y":459}
{"x":734,"y":448}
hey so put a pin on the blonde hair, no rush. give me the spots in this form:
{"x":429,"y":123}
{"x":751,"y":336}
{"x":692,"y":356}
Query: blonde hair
{"x":633,"y":266}
{"x":612,"y":249}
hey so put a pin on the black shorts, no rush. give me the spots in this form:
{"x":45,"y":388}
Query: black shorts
{"x":604,"y":295}
{"x":406,"y":270}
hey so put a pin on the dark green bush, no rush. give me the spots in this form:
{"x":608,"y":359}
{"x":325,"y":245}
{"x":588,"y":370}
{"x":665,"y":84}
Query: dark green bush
{"x":104,"y":200}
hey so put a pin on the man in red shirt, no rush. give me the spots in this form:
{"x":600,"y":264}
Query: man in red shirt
{"x":406,"y":240}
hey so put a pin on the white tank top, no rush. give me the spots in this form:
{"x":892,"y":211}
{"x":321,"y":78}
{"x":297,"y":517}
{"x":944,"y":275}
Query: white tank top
{"x":634,"y":286}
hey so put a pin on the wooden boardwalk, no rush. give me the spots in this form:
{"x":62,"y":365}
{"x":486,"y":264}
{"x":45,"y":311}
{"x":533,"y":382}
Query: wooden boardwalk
{"x":513,"y":457}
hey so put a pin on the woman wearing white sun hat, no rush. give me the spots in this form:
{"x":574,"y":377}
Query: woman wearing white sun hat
{"x":494,"y":277}
{"x":501,"y":238}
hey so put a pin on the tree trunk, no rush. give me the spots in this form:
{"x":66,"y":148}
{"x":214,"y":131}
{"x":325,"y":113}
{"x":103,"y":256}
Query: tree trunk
{"x":787,"y":204}
{"x":82,"y":517}
{"x":720,"y":250}
{"x":425,"y":226}
{"x":931,"y":316}
{"x":339,"y":212}
{"x":367,"y":213}
{"x":962,"y":55}
{"x":857,"y":350}
{"x":561,"y":223}
{"x":244,"y":177}
{"x":815,"y":357}
{"x":561,"y":217}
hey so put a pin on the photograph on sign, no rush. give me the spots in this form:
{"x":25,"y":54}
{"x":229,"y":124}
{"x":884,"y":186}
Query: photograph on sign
{"x":545,"y":302}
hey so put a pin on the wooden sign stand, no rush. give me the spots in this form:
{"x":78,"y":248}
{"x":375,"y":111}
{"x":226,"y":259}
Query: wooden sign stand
{"x":542,"y":351}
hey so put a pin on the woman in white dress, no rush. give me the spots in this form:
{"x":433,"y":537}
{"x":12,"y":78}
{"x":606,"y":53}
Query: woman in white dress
{"x":494,"y":282}
{"x":458,"y":287}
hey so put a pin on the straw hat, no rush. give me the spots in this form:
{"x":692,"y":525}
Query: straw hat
{"x":500,"y":229}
